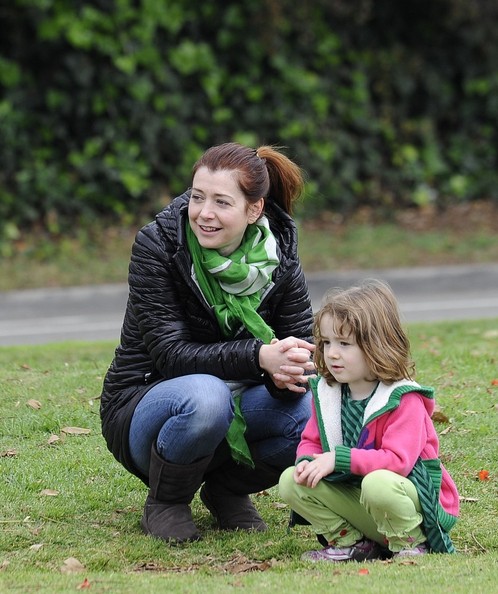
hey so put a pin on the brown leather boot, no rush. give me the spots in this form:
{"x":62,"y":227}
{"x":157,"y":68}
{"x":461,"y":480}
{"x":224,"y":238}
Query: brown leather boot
{"x":167,"y":513}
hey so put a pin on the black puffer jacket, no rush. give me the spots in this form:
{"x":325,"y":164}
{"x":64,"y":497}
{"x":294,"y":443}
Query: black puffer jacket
{"x":169,"y":330}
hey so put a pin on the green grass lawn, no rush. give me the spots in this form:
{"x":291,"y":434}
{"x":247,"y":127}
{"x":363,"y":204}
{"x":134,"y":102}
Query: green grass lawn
{"x":63,"y":496}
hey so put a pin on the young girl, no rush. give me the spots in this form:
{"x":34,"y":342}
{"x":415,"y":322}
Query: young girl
{"x":368,"y":476}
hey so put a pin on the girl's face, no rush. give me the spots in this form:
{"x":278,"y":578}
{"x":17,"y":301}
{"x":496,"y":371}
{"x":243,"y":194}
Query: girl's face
{"x":345,"y":360}
{"x":218,"y":211}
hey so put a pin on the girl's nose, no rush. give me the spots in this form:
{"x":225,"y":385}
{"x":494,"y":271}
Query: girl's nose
{"x":332,"y":353}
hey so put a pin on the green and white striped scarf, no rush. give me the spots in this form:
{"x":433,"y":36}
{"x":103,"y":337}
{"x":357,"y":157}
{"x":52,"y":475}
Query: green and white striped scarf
{"x":233,"y":286}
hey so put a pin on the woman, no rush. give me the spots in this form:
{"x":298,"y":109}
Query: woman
{"x":208,"y":381}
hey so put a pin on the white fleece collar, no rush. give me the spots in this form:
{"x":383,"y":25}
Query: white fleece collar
{"x":328,"y":405}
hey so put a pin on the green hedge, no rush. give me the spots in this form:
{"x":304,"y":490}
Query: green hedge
{"x":105,"y":105}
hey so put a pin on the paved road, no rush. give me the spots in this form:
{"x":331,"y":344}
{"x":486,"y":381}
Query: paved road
{"x":95,"y":313}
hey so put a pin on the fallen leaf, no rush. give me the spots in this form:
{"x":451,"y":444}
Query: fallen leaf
{"x":447,"y":430}
{"x":53,"y":439}
{"x":483,"y":475}
{"x":35,"y":547}
{"x":149,"y":566}
{"x":439,"y":417}
{"x":242,"y":564}
{"x":363,"y":571}
{"x":75,"y":430}
{"x":49,"y":492}
{"x":4,"y":564}
{"x":36,"y":404}
{"x":25,"y":366}
{"x":494,"y":382}
{"x":8,"y":454}
{"x":72,"y":565}
{"x":84,"y":585}
{"x":469,"y":499}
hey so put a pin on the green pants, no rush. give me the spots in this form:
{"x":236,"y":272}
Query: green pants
{"x":385,"y":508}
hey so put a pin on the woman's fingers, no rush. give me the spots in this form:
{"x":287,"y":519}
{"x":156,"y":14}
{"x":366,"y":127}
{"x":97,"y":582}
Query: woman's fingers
{"x":296,"y":371}
{"x":295,"y":343}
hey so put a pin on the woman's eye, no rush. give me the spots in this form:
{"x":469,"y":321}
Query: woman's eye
{"x":222,"y":203}
{"x":196,"y":197}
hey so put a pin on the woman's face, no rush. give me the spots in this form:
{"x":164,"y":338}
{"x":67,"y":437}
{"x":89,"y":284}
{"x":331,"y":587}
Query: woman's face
{"x":218,"y":211}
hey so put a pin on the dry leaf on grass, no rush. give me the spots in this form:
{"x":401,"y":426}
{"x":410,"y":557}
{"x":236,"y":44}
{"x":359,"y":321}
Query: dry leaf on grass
{"x":36,"y":547}
{"x":53,"y":439}
{"x":72,"y":565}
{"x":8,"y":454}
{"x":49,"y":492}
{"x":36,"y":404}
{"x":75,"y":431}
{"x":242,"y":564}
{"x":440,"y":417}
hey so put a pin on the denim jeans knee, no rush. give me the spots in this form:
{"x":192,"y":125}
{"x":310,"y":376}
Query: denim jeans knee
{"x":187,"y":417}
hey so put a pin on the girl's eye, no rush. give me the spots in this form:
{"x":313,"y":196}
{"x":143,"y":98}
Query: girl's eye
{"x":196,"y":197}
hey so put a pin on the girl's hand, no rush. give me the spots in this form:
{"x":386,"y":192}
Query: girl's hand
{"x":287,"y":362}
{"x":310,"y":473}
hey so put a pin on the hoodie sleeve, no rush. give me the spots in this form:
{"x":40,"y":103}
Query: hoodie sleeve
{"x":310,"y":438}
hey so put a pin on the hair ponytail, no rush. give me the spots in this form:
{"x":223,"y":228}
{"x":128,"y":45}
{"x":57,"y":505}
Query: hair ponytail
{"x":286,"y":179}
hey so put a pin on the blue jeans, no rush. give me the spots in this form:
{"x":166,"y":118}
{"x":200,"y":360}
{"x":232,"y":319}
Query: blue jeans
{"x":188,"y":417}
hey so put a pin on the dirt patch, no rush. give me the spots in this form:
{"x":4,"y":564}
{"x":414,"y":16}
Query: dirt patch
{"x":460,"y":217}
{"x":463,"y":218}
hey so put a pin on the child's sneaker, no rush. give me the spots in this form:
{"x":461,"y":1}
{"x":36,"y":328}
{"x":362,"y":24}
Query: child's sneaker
{"x":420,"y":549}
{"x":363,"y":550}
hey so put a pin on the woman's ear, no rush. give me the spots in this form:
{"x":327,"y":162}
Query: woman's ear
{"x":255,"y":210}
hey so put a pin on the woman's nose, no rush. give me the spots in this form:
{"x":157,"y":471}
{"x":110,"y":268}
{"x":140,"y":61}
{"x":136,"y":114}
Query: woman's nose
{"x":206,"y":210}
